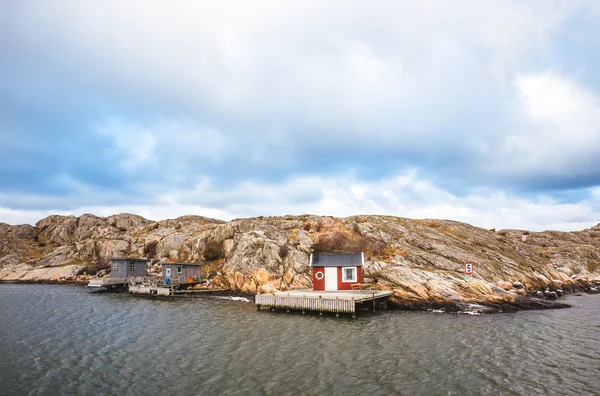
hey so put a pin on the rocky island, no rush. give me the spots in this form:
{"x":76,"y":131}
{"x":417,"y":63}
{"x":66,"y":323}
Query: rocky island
{"x":421,"y":261}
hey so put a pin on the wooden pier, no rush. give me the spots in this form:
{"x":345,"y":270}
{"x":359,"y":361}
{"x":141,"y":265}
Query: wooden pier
{"x":171,"y":291}
{"x":108,"y":283}
{"x":320,"y":301}
{"x":151,"y":290}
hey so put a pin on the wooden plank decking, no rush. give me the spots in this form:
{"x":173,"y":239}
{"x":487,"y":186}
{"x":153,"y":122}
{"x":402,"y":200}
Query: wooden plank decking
{"x":320,"y":301}
{"x":105,"y":282}
{"x":158,"y":291}
{"x":169,"y":291}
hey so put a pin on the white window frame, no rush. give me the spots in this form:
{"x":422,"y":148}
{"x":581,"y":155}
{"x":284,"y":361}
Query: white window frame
{"x":179,"y":269}
{"x":354,"y":272}
{"x":132,"y":266}
{"x":115,"y":266}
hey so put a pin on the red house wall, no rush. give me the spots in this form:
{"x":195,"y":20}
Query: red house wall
{"x":347,"y":285}
{"x":318,"y":284}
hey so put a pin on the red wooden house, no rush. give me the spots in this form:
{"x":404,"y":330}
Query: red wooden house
{"x":333,"y":272}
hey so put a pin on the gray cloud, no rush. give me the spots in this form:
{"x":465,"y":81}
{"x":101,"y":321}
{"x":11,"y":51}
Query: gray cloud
{"x":143,"y":97}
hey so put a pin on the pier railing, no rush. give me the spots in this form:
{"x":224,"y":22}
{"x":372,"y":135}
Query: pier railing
{"x":306,"y":303}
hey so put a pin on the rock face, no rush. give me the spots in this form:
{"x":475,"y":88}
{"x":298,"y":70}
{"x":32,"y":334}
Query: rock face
{"x":421,"y":261}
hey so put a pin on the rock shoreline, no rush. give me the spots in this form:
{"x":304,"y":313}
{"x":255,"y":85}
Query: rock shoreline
{"x":521,"y":303}
{"x":43,"y":282}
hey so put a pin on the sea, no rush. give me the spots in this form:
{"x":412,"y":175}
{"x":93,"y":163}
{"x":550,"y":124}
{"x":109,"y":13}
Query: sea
{"x":63,"y":340}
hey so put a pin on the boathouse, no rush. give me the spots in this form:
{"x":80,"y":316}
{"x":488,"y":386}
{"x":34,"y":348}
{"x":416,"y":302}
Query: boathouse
{"x":181,"y":272}
{"x":333,"y":272}
{"x":126,"y":267}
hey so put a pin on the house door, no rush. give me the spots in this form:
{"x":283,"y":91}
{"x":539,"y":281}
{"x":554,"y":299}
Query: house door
{"x":168,"y":272}
{"x":123,"y":270}
{"x":331,"y":282}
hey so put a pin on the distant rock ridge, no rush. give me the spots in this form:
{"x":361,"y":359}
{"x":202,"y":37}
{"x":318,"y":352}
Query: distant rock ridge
{"x":420,"y":260}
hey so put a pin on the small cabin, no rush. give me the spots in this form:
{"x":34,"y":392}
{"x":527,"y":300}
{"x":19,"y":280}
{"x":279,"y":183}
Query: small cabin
{"x":181,"y":272}
{"x":121,"y":267}
{"x":332,"y":272}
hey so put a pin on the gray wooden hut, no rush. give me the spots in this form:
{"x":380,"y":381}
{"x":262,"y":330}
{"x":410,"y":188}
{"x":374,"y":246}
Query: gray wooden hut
{"x":122,"y":267}
{"x":181,"y":272}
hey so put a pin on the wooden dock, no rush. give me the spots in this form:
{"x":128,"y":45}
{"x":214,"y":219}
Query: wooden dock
{"x":170,"y":291}
{"x":320,"y":301}
{"x":197,"y":291}
{"x":151,"y":290}
{"x":108,"y":283}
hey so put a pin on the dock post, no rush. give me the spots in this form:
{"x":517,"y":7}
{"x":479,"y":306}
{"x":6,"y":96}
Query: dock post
{"x":373,"y":300}
{"x":258,"y":307}
{"x":320,"y":306}
{"x":353,"y":308}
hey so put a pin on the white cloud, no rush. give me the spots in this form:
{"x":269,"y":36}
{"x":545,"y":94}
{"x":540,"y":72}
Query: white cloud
{"x":165,"y":144}
{"x":238,"y":83}
{"x":559,"y":128}
{"x":332,"y":64}
{"x":134,"y":145}
{"x":406,"y":195}
{"x":16,"y":216}
{"x":394,"y":74}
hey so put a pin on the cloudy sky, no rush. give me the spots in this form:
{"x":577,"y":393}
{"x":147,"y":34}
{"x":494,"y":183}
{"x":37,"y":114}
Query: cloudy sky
{"x":486,"y":112}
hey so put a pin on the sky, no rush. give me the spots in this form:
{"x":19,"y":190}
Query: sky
{"x":486,"y":112}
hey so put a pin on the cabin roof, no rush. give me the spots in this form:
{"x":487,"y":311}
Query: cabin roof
{"x":128,"y":259}
{"x":172,"y":263}
{"x":337,"y":260}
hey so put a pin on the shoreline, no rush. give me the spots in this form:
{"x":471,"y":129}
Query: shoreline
{"x":522,"y":303}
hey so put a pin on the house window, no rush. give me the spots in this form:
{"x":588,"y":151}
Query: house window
{"x":132,"y":266}
{"x":348,"y":274}
{"x":179,"y":270}
{"x":115,"y":266}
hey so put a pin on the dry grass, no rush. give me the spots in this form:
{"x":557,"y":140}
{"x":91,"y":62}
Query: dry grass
{"x":390,"y":252}
{"x":213,"y":251}
{"x":150,"y":249}
{"x":593,"y":265}
{"x":213,"y":267}
{"x":436,"y":224}
{"x":347,"y":242}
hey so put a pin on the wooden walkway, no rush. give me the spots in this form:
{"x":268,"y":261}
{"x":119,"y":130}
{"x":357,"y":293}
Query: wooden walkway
{"x":169,"y":291}
{"x":107,"y":282}
{"x":320,"y":301}
{"x":151,"y":290}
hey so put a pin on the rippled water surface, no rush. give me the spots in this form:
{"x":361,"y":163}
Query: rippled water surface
{"x":61,"y":340}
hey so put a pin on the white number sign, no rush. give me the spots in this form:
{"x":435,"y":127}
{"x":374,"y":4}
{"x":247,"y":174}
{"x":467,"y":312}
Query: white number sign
{"x":469,"y":268}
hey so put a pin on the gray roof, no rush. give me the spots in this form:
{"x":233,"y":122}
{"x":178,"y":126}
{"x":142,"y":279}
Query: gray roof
{"x":336,"y":260}
{"x":128,"y":259}
{"x":171,"y":263}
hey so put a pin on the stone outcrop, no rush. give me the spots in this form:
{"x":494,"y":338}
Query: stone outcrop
{"x":421,"y":261}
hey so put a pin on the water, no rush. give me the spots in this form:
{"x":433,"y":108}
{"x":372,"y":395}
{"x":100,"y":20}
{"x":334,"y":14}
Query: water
{"x":60,"y":340}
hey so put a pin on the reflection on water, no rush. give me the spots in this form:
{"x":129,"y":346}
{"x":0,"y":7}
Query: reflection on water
{"x":62,"y":340}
